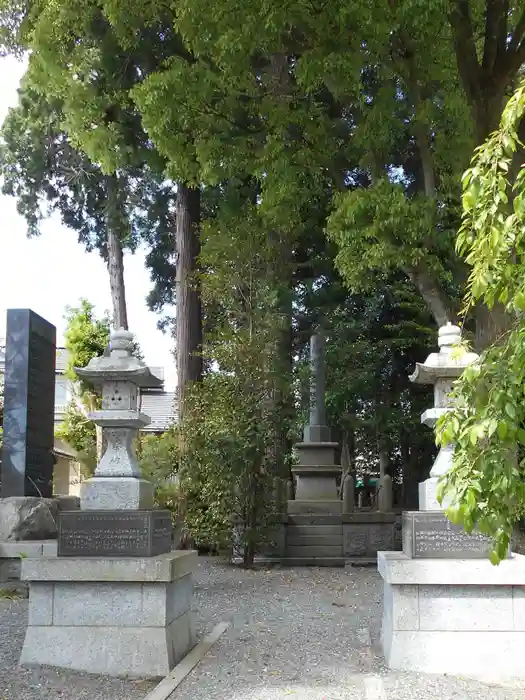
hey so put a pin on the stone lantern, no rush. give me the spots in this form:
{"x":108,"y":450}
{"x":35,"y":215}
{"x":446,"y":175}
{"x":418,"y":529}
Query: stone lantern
{"x":116,"y":600}
{"x":117,"y":483}
{"x":440,"y":369}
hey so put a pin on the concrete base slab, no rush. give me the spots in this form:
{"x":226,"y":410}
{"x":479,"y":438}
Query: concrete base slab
{"x":459,"y":617}
{"x":119,"y":617}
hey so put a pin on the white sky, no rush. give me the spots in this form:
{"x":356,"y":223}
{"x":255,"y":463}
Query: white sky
{"x":48,"y":273}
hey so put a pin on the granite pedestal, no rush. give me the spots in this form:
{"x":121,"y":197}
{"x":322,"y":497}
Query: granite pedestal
{"x":463,"y":617}
{"x":114,"y":616}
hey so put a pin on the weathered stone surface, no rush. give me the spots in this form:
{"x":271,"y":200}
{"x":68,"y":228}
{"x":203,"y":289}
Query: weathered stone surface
{"x":348,"y":494}
{"x":28,"y":518}
{"x":120,"y":533}
{"x":29,"y":406}
{"x":366,"y":539}
{"x":116,"y":493}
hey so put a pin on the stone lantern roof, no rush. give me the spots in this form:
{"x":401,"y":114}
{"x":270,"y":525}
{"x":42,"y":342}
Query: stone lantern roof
{"x":444,"y":364}
{"x":119,"y":364}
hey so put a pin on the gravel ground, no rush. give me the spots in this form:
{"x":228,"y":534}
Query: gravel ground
{"x":305,"y":633}
{"x":302,"y":633}
{"x":51,"y":684}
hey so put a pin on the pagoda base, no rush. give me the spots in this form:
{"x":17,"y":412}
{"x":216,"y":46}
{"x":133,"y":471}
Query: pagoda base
{"x":118,"y":617}
{"x":455,"y":616}
{"x":316,"y":483}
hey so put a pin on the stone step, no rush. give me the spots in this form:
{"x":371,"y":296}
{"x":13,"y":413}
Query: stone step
{"x":313,"y":561}
{"x":314,"y":530}
{"x":314,"y":519}
{"x":309,"y":551}
{"x":317,"y":508}
{"x":294,"y":540}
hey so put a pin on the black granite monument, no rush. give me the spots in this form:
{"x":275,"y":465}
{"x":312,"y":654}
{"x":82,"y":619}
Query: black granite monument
{"x":29,"y":406}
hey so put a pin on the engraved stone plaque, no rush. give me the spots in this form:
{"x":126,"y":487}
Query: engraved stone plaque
{"x":430,"y":535}
{"x":119,"y":533}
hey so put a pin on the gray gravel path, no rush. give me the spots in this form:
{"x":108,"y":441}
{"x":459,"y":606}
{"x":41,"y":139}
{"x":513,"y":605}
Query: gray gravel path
{"x":50,"y":684}
{"x":305,"y":633}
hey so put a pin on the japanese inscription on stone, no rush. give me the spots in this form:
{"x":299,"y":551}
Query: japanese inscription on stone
{"x":111,"y":533}
{"x":429,"y":535}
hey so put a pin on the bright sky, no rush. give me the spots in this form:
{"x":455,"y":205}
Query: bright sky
{"x":48,"y":273}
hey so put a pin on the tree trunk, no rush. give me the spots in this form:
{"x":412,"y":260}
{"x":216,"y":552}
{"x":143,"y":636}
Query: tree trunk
{"x":188,"y":296}
{"x":115,"y":257}
{"x":431,"y":292}
{"x":116,"y":280}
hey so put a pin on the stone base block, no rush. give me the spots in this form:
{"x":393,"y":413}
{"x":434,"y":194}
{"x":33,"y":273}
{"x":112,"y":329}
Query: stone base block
{"x":427,"y":495}
{"x":460,"y":617}
{"x":316,"y":483}
{"x":364,"y":534}
{"x":116,"y":493}
{"x":119,"y":617}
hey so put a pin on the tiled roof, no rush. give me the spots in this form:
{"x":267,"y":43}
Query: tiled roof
{"x":161,"y":408}
{"x":61,"y":361}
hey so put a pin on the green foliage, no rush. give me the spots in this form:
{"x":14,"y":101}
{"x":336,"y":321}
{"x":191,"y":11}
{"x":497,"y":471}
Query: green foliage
{"x":231,"y":454}
{"x":486,"y":486}
{"x":159,"y":463}
{"x":79,"y":432}
{"x":85,"y":337}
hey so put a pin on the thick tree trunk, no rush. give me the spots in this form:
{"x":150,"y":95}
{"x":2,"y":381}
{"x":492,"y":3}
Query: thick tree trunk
{"x":115,"y":256}
{"x":430,"y":290}
{"x":188,"y":297}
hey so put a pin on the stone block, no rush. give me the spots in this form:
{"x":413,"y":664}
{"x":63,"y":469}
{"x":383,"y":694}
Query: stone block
{"x":115,"y":617}
{"x":50,"y":548}
{"x":28,"y":518}
{"x":365,"y":538}
{"x":10,"y":569}
{"x":459,"y":617}
{"x":21,"y":548}
{"x":427,"y":495}
{"x":134,"y":652}
{"x":401,"y":607}
{"x":116,"y":493}
{"x":311,"y":551}
{"x":355,"y":541}
{"x":397,"y":568}
{"x":318,"y":454}
{"x":165,"y":567}
{"x":478,"y":654}
{"x":41,"y":604}
{"x":328,"y":507}
{"x":465,"y":608}
{"x":317,"y":433}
